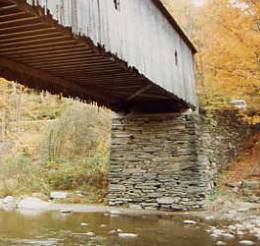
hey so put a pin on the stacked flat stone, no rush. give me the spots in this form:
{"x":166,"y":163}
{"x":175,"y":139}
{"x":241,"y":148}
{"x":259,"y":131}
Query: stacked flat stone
{"x":167,"y":161}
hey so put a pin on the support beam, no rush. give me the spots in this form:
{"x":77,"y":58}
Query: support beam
{"x":27,"y":73}
{"x":139,"y":92}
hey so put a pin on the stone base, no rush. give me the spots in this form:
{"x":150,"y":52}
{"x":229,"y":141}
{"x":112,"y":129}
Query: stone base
{"x":171,"y":161}
{"x":156,"y":162}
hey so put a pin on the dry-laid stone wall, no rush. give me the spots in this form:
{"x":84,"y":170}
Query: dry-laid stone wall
{"x":223,"y":134}
{"x":166,"y":161}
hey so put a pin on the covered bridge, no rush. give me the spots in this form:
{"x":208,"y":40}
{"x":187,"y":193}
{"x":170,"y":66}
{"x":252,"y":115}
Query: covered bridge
{"x":130,"y":56}
{"x":123,"y":54}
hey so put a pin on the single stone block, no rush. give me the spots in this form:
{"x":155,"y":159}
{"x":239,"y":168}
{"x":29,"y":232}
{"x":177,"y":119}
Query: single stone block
{"x":165,"y":200}
{"x":250,"y":184}
{"x":115,"y":187}
{"x":135,"y":206}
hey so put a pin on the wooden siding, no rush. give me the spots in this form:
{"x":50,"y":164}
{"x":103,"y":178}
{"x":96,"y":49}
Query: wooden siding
{"x":138,"y":33}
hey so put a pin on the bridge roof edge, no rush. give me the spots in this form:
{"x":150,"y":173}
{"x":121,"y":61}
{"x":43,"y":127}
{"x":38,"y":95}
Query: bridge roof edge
{"x":175,"y":25}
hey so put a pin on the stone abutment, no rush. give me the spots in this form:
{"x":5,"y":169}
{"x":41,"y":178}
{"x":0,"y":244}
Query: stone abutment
{"x":168,"y":161}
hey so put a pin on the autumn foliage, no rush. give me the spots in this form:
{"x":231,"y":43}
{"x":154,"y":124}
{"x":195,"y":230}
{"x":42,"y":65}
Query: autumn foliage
{"x":227,"y":34}
{"x":247,"y":164}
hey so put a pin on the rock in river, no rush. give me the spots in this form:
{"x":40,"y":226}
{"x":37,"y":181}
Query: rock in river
{"x":189,"y":222}
{"x":83,"y":224}
{"x":127,"y":235}
{"x":9,"y":199}
{"x":33,"y":203}
{"x":246,"y":242}
{"x":220,"y":243}
{"x":90,"y":234}
{"x":228,"y":236}
{"x":8,"y":203}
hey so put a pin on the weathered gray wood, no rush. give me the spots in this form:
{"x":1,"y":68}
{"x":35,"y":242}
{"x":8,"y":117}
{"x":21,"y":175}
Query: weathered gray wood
{"x":138,"y":33}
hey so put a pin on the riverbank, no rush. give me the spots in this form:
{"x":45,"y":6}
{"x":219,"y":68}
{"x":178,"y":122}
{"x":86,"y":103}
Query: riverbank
{"x":229,"y":217}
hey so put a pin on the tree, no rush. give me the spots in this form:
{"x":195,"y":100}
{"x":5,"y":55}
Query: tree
{"x":227,"y":34}
{"x":232,"y":53}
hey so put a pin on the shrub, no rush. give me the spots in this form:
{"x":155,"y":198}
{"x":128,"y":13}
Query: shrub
{"x":72,"y":155}
{"x":18,"y":175}
{"x":75,"y":148}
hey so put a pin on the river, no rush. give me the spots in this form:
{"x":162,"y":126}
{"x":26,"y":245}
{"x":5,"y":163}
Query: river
{"x":57,"y":228}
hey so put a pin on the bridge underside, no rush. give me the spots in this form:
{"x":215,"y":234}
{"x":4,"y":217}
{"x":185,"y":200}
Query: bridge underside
{"x":38,"y":52}
{"x":162,"y":160}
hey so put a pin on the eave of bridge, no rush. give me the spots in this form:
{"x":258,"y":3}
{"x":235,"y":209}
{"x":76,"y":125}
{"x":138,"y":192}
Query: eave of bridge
{"x":38,"y":52}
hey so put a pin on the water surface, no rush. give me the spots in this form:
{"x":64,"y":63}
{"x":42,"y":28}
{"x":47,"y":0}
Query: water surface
{"x":56,"y":228}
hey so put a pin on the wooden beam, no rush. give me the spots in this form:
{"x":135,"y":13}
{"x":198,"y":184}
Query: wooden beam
{"x":54,"y":58}
{"x":111,"y":73}
{"x":29,"y":38}
{"x":49,"y":78}
{"x":18,"y":20}
{"x":68,"y":49}
{"x":24,"y":44}
{"x":41,"y":45}
{"x":24,"y":27}
{"x":28,"y":32}
{"x":139,"y":92}
{"x":13,"y":15}
{"x":81,"y":65}
{"x":12,"y":6}
{"x":71,"y":64}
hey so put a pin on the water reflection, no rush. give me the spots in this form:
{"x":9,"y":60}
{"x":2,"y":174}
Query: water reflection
{"x":54,"y":228}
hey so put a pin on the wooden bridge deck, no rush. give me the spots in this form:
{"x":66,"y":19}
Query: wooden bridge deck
{"x":38,"y":52}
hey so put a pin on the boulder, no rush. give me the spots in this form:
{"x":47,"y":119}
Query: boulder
{"x":8,"y":203}
{"x":9,"y":199}
{"x":59,"y":195}
{"x":33,"y":203}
